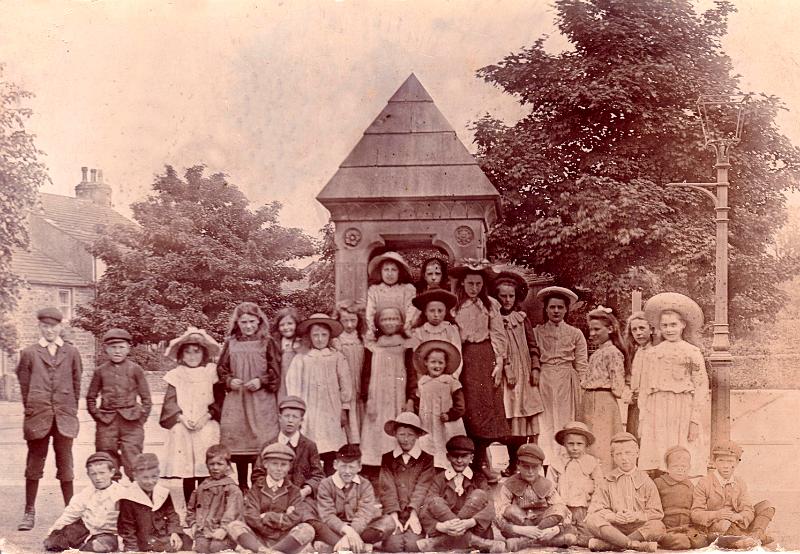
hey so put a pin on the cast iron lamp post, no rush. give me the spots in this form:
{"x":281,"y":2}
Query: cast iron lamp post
{"x":721,"y":117}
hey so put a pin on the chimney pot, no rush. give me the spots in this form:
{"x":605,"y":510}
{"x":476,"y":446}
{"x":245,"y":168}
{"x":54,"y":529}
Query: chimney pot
{"x":94,"y":175}
{"x":84,"y":171}
{"x":99,"y":175}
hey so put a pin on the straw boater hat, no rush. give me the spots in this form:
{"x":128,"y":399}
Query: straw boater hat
{"x":453,"y":355}
{"x":565,"y":292}
{"x":474,"y":266}
{"x":435,"y":295}
{"x":193,"y":335}
{"x":374,"y":267}
{"x":405,"y":419}
{"x":575,"y":428}
{"x":320,"y":319}
{"x":514,"y":279}
{"x":691,"y":313}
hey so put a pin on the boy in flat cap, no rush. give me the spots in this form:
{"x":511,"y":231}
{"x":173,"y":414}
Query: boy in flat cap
{"x":306,"y":471}
{"x":722,"y":507}
{"x":457,"y":513}
{"x":49,"y":374}
{"x":529,"y":509}
{"x":350,"y":518}
{"x":625,"y":512}
{"x":120,"y":418}
{"x":676,"y":491}
{"x":274,"y":508}
{"x":147,"y":519}
{"x":405,"y":476}
{"x":89,"y":522}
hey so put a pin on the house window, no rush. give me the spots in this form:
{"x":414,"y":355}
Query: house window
{"x":65,"y":303}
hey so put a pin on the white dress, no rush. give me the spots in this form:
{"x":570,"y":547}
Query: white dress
{"x":185,"y":451}
{"x":435,"y":399}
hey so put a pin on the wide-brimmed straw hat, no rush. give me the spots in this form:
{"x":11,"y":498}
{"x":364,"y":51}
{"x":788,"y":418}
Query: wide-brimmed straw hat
{"x":514,"y":279}
{"x":320,"y":319}
{"x":193,"y":335}
{"x":405,"y":419}
{"x":453,"y":355}
{"x":575,"y":428}
{"x":435,"y":295}
{"x":691,"y":313}
{"x":474,"y":266}
{"x":374,"y":267}
{"x":562,"y":291}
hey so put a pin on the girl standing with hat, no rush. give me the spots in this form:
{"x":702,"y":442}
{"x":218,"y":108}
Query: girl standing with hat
{"x":186,"y":411}
{"x":484,"y":348}
{"x":322,"y":379}
{"x":249,"y":366}
{"x":673,"y":386}
{"x":563,"y":355}
{"x":521,"y":397}
{"x":390,"y":285}
{"x":435,"y":321}
{"x":603,"y":383}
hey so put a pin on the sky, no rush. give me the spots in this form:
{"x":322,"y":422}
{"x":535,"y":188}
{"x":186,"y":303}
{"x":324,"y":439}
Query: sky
{"x":276,"y":94}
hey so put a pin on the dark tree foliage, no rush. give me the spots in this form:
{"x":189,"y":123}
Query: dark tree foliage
{"x":21,"y":175}
{"x":198,"y":251}
{"x":611,"y":121}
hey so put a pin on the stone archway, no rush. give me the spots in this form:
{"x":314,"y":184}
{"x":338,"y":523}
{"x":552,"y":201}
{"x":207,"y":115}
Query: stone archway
{"x":408,"y":181}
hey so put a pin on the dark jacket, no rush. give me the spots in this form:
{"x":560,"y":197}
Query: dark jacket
{"x":50,"y":387}
{"x":306,"y":468}
{"x":139,"y":525}
{"x":119,"y":385}
{"x":443,"y":488}
{"x":403,"y":487}
{"x":265,"y":511}
{"x":214,"y":504}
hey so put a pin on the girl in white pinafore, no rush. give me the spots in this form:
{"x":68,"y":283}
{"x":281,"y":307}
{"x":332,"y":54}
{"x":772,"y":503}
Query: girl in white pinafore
{"x":351,"y":315}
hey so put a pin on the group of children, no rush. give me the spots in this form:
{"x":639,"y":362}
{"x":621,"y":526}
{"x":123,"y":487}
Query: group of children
{"x":413,"y":395}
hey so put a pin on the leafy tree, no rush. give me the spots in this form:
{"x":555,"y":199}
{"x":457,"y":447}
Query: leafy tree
{"x":21,"y":175}
{"x":611,"y":121}
{"x":199,"y":250}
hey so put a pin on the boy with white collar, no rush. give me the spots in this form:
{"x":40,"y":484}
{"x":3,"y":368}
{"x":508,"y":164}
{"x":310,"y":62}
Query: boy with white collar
{"x":457,"y":513}
{"x":405,"y":476}
{"x":147,"y":520}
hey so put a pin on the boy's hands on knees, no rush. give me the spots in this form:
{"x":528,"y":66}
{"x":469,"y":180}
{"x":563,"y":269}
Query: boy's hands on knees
{"x":353,"y":539}
{"x":175,"y":541}
{"x":218,"y":534}
{"x":449,"y":527}
{"x":398,"y":527}
{"x":253,"y":384}
{"x":727,"y":513}
{"x":236,"y":384}
{"x":413,"y":523}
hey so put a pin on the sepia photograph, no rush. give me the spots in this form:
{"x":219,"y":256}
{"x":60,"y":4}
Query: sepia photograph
{"x":316,"y":276}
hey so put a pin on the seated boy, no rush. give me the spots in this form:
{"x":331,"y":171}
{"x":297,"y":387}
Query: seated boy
{"x":576,"y":474}
{"x":273,"y":509}
{"x":306,"y":471}
{"x":457,"y":513}
{"x":528,"y":508}
{"x":348,"y":511}
{"x":215,"y":509}
{"x":722,"y":507}
{"x":625,"y":512}
{"x":405,"y":476}
{"x":147,"y":519}
{"x":676,"y":491}
{"x":89,"y":522}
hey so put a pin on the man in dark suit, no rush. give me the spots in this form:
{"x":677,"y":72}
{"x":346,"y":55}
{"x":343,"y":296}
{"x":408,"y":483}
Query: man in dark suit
{"x":49,"y":374}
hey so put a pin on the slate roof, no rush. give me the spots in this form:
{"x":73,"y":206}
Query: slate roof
{"x":36,"y":267}
{"x":77,"y":217}
{"x":409,"y":152}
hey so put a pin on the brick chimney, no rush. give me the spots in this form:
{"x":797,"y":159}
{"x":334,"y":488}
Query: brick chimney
{"x":93,"y":188}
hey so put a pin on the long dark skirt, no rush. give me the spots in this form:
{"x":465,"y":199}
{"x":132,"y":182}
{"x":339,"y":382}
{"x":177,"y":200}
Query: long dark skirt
{"x":485,"y":415}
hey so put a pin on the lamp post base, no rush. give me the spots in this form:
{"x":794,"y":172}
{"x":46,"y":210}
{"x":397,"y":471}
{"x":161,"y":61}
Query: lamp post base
{"x":721,"y":364}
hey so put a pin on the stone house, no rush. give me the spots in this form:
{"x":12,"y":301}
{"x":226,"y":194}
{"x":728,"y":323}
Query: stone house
{"x":58,"y":268}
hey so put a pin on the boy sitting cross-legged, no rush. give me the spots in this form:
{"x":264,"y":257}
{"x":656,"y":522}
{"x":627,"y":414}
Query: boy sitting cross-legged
{"x":89,"y":522}
{"x":529,"y":509}
{"x":457,"y":513}
{"x":625,"y":512}
{"x":677,"y":491}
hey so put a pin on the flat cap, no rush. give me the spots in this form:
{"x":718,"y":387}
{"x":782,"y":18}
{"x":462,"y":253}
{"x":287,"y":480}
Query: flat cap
{"x":145,"y":461}
{"x":530,"y":452}
{"x":50,"y":313}
{"x":277,"y":451}
{"x":117,"y":335}
{"x":727,"y":448}
{"x":98,"y":457}
{"x":349,"y":453}
{"x":460,"y":444}
{"x":292,"y":402}
{"x":674,"y":450}
{"x":623,"y":437}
